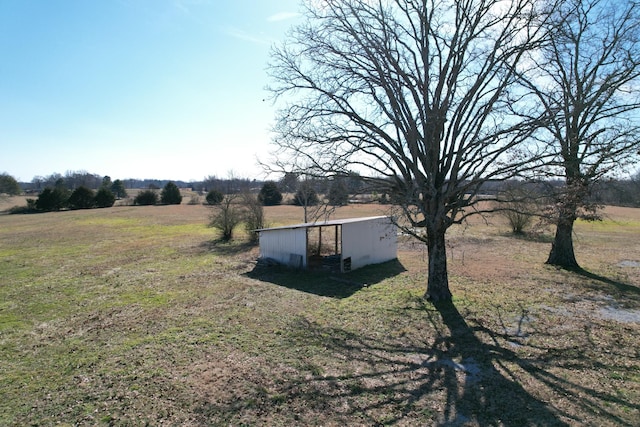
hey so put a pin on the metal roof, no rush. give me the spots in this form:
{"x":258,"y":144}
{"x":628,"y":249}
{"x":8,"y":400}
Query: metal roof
{"x":323,"y":223}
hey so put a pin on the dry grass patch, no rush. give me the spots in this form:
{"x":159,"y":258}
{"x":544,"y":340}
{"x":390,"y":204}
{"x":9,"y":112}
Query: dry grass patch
{"x":135,"y":315}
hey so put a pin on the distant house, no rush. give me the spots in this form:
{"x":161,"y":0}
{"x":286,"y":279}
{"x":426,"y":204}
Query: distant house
{"x":346,"y":244}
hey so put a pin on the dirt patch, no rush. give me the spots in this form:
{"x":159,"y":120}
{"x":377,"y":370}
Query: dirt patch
{"x":629,"y":263}
{"x":620,"y":315}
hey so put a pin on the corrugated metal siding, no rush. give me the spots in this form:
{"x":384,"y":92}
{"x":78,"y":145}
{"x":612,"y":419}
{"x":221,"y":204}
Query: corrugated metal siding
{"x":369,"y":242}
{"x":280,"y":244}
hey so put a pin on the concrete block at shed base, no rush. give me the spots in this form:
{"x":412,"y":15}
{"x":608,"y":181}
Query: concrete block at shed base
{"x":295,"y":261}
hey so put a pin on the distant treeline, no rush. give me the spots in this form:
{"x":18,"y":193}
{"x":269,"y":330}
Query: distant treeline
{"x":73,"y":180}
{"x":619,"y":192}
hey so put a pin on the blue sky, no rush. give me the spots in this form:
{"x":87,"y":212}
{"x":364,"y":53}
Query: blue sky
{"x":166,"y":89}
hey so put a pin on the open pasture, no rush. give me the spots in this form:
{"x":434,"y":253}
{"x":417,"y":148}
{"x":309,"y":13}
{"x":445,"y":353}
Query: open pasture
{"x":137,"y":315}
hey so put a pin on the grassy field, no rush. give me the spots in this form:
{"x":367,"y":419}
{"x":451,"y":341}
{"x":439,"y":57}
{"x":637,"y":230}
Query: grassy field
{"x":137,"y":315}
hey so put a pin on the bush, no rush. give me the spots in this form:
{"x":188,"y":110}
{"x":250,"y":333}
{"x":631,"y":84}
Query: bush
{"x":81,"y":198}
{"x":52,"y":199}
{"x":253,"y":215}
{"x":226,"y":217}
{"x":214,"y":197}
{"x":518,"y":205}
{"x":30,"y":207}
{"x":146,"y":198}
{"x":170,"y":194}
{"x":104,"y":198}
{"x":270,"y":195}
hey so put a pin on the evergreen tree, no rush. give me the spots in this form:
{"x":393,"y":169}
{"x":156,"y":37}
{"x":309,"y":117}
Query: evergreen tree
{"x":306,"y":195}
{"x":270,"y":195}
{"x":52,"y":199}
{"x":118,"y":189}
{"x":214,"y":197}
{"x":146,"y":198}
{"x":171,"y":194}
{"x":338,"y":193}
{"x":104,"y":198}
{"x":81,"y":198}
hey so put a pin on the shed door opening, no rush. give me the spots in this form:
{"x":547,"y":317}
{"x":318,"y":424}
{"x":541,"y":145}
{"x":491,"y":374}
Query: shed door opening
{"x":324,"y":246}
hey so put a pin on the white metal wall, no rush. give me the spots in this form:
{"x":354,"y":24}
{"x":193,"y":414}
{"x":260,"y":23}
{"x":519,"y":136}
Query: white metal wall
{"x":369,"y":242}
{"x":280,"y":244}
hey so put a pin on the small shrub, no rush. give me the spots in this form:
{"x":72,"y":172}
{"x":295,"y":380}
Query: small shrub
{"x":214,"y":197}
{"x":30,"y":207}
{"x":146,"y":198}
{"x":170,"y":194}
{"x":519,"y":206}
{"x":194,"y":199}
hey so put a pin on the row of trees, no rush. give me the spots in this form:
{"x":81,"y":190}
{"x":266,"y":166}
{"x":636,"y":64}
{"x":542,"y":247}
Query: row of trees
{"x":430,"y":100}
{"x":170,"y":195}
{"x":55,"y":199}
{"x":59,"y":197}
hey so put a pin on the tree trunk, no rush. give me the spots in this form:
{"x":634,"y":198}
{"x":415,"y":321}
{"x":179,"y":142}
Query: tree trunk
{"x":438,"y":281}
{"x":562,"y":254}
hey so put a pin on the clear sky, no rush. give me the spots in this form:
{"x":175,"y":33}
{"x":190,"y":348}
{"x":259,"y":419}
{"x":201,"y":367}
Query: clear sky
{"x":165,"y":89}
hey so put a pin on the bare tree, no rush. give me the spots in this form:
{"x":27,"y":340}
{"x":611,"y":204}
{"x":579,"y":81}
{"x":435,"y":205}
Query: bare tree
{"x":227,"y":216}
{"x":417,"y":96}
{"x":588,"y":83}
{"x":254,"y":217}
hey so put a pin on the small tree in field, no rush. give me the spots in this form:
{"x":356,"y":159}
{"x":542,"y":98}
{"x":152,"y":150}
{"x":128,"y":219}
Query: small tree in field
{"x":104,"y":198}
{"x":214,"y":197}
{"x":270,"y":194}
{"x":52,"y":199}
{"x":226,"y":216}
{"x":170,"y":194}
{"x":146,"y":198}
{"x":82,"y":198}
{"x":9,"y":185}
{"x":306,"y":196}
{"x":118,"y":189}
{"x":338,"y":193}
{"x":253,"y":214}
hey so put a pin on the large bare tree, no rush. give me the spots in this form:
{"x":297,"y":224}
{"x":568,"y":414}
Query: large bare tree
{"x":588,"y":83}
{"x":419,"y":96}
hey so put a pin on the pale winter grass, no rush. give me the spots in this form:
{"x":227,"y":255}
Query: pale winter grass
{"x":134,"y":315}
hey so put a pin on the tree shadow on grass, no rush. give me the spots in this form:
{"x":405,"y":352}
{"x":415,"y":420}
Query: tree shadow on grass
{"x":325,"y":282}
{"x":461,"y":375}
{"x":229,"y":247}
{"x":624,"y":289}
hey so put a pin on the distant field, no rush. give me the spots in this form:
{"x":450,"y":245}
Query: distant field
{"x":133,"y":315}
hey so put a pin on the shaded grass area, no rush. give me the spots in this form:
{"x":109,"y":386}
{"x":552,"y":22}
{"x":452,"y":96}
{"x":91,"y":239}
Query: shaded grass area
{"x":139,"y":315}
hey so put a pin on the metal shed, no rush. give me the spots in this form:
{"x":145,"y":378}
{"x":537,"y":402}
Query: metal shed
{"x":354,"y":243}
